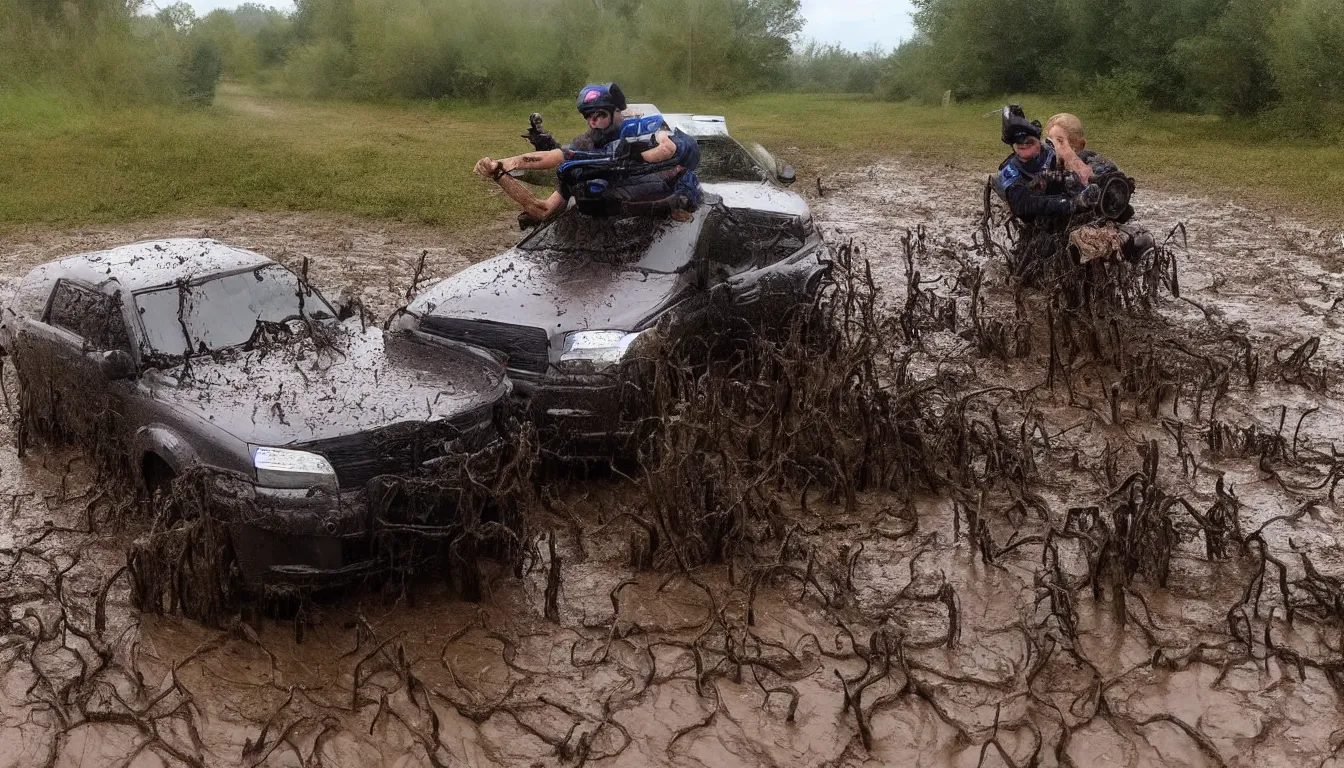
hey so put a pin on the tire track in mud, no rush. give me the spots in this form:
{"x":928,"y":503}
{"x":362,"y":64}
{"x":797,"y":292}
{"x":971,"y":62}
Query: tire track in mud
{"x":505,"y":687}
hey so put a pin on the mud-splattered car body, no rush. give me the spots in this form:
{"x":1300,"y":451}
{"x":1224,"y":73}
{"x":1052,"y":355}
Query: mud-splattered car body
{"x":580,"y":295}
{"x":167,"y":355}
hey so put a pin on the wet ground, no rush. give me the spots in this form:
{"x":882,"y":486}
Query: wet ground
{"x":663,"y":667}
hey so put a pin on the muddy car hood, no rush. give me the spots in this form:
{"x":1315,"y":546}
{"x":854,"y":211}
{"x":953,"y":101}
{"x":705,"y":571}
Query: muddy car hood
{"x":758,"y":196}
{"x":557,"y":295}
{"x":298,"y":393}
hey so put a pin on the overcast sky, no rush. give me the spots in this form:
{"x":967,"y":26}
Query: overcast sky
{"x":858,"y":24}
{"x":855,"y":24}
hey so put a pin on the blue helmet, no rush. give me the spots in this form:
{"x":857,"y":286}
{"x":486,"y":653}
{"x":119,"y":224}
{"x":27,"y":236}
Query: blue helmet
{"x":601,"y":96}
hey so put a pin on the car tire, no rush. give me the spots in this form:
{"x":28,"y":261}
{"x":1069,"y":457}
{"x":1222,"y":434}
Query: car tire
{"x":11,"y":381}
{"x":185,"y":564}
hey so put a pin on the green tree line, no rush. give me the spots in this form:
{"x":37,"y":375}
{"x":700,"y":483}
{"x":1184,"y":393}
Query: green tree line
{"x":386,"y":49}
{"x":110,"y":50}
{"x":511,"y":49}
{"x":1280,"y":59}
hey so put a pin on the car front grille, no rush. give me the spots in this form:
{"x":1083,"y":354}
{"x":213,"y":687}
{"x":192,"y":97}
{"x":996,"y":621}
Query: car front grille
{"x":527,"y":348}
{"x":405,"y":447}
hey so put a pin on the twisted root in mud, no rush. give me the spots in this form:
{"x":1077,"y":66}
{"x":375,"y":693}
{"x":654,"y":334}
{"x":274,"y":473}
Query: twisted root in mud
{"x":446,"y":520}
{"x":721,"y":479}
{"x":827,"y":434}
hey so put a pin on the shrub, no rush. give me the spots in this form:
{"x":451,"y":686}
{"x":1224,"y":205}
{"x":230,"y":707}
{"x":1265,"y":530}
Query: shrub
{"x":1120,"y":96}
{"x":200,"y":72}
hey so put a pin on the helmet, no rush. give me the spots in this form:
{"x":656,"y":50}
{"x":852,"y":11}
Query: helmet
{"x":1016,"y":127}
{"x":606,"y":96}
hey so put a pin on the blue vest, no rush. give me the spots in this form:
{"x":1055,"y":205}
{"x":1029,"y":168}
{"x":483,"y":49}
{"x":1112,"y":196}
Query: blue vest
{"x":1015,"y":171}
{"x":603,"y":179}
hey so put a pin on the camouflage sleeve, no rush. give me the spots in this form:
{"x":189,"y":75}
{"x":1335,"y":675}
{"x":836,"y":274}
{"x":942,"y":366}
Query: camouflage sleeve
{"x":1099,"y":163}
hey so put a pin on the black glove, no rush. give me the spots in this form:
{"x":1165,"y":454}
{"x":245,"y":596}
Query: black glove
{"x":1088,"y":198}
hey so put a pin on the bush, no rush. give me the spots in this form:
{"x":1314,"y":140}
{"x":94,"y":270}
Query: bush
{"x":1233,"y":57}
{"x":1120,"y":97}
{"x":97,"y":49}
{"x":200,"y":72}
{"x":320,"y":69}
{"x":821,"y":68}
{"x":527,"y":49}
{"x":1307,"y":59}
{"x":910,"y":74}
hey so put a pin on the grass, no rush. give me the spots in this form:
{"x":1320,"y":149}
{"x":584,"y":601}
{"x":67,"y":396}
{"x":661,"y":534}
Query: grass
{"x":68,"y":164}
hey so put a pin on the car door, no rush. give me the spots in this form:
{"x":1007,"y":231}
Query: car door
{"x":76,"y":362}
{"x":742,"y":249}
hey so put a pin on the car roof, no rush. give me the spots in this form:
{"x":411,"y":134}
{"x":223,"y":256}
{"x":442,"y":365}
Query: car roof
{"x":697,"y":126}
{"x":149,"y":264}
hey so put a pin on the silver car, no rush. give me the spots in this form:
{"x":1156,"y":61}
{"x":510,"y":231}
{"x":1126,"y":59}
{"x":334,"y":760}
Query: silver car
{"x":165,"y":355}
{"x":577,"y":298}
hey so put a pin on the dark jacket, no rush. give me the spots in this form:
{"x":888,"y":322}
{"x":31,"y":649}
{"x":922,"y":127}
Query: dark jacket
{"x":1041,"y":188}
{"x":1034,"y":188}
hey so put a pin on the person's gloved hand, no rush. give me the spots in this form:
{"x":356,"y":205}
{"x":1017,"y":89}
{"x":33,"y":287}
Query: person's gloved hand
{"x":1088,"y":198}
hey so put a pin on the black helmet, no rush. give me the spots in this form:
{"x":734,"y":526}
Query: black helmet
{"x":1016,"y":127}
{"x":606,"y":96}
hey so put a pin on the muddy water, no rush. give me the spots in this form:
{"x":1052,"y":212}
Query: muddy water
{"x":381,"y":682}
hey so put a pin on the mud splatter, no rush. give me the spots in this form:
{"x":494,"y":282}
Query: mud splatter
{"x":1005,"y":627}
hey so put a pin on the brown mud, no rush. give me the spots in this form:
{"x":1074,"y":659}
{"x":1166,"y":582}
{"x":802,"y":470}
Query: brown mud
{"x":901,"y":629}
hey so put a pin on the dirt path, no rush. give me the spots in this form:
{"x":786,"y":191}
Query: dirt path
{"x":617,"y":682}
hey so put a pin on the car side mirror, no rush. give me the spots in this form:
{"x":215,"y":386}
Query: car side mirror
{"x":116,"y":364}
{"x":786,"y":175}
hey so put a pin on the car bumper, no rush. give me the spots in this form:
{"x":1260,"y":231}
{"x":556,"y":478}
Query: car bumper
{"x":316,"y":539}
{"x":580,"y":417}
{"x":299,"y":537}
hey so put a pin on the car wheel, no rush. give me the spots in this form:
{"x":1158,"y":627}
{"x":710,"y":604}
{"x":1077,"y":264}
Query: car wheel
{"x":185,"y":570}
{"x":10,"y":381}
{"x":185,"y":564}
{"x":158,"y":479}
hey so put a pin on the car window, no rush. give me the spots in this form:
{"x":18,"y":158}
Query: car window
{"x":222,"y":312}
{"x":93,"y":316}
{"x":743,"y":238}
{"x":726,"y":160}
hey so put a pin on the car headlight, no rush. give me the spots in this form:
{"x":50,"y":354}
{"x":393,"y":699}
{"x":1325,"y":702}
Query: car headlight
{"x":283,"y":468}
{"x":594,"y":351}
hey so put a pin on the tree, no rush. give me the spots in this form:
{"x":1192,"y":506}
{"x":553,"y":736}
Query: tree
{"x":1229,"y":64}
{"x":200,"y":72}
{"x":180,"y":17}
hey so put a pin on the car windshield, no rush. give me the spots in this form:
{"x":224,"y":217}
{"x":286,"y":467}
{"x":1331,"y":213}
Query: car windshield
{"x":726,"y":160}
{"x":222,"y":312}
{"x":629,"y":242}
{"x":621,"y":238}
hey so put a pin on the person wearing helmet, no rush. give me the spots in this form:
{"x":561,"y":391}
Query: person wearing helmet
{"x":603,"y":106}
{"x":1034,"y":180}
{"x":1049,"y":181}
